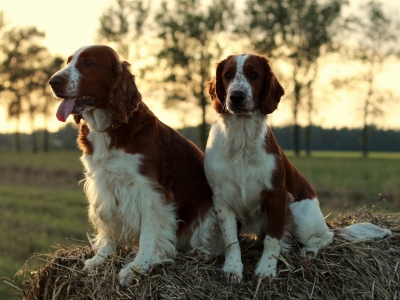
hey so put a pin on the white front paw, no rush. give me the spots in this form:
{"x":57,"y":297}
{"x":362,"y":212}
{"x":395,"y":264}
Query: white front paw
{"x":266,"y":271}
{"x":91,"y":264}
{"x":232,"y":271}
{"x":125,"y":276}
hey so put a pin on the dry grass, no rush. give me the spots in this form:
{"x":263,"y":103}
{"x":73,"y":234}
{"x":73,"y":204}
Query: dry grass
{"x":343,"y":270}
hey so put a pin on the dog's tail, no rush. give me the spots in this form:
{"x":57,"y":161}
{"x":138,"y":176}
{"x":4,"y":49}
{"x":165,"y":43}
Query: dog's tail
{"x":362,"y":231}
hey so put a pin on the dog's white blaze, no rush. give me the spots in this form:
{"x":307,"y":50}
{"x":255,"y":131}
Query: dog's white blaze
{"x":240,"y":83}
{"x":72,"y":74}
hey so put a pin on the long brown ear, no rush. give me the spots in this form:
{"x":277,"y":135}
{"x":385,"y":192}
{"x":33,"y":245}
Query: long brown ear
{"x":124,"y":97}
{"x":216,"y":104}
{"x":272,"y":92}
{"x":216,"y":89}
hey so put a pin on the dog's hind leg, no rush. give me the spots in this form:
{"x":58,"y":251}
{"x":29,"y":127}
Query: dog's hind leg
{"x":310,"y":226}
{"x":205,"y":241}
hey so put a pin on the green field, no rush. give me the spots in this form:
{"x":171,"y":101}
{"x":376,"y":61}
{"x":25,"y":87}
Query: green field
{"x":42,"y":204}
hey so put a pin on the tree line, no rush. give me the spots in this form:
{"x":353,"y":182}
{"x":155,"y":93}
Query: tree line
{"x":185,"y":38}
{"x":344,"y":139}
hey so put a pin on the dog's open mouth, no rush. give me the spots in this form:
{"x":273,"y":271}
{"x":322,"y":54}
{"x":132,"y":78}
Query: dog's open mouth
{"x":72,"y":105}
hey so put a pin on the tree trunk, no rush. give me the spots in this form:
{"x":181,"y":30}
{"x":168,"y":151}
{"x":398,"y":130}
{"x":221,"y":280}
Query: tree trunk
{"x":17,"y":137}
{"x":35,"y":147}
{"x":46,"y":147}
{"x":308,"y":139}
{"x":296,"y":133}
{"x":365,"y":133}
{"x":205,"y":64}
{"x":296,"y":139}
{"x":365,"y":141}
{"x":203,"y":126}
{"x":17,"y":140}
{"x":46,"y":137}
{"x":310,"y":109}
{"x":308,"y":128}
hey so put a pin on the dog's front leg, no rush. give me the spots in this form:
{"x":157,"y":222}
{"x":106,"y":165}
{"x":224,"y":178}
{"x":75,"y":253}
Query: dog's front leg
{"x":107,"y":249}
{"x":233,"y":267}
{"x":147,"y":248}
{"x":274,"y":233}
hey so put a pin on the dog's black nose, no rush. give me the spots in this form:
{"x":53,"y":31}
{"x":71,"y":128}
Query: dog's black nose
{"x":56,"y":81}
{"x":237,"y":97}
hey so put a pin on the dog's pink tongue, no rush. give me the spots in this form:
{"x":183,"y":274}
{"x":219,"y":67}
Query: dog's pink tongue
{"x":65,"y":109}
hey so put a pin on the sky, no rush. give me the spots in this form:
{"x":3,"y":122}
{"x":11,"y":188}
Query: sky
{"x":71,"y":24}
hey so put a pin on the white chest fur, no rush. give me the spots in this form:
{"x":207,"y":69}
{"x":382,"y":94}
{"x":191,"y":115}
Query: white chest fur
{"x":237,"y":166}
{"x":116,"y":190}
{"x":112,"y":185}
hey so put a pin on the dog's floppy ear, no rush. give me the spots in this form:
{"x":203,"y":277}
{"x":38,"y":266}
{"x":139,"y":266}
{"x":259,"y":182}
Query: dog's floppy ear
{"x":216,"y":89}
{"x":272,"y":90}
{"x":124,"y":97}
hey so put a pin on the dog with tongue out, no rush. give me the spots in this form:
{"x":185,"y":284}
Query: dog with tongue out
{"x":144,"y":181}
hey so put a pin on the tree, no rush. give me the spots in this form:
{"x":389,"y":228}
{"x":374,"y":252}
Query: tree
{"x":190,"y":33}
{"x":21,"y":60}
{"x":376,"y":36}
{"x":50,"y":65}
{"x":123,"y":23}
{"x":299,"y":32}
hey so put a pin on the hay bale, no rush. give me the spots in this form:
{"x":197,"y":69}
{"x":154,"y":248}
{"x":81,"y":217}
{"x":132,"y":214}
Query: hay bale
{"x":343,"y":270}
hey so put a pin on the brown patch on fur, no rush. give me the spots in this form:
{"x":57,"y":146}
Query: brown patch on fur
{"x":82,"y":141}
{"x":286,"y":174}
{"x":275,"y":204}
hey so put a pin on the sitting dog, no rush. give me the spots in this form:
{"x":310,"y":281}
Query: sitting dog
{"x":145,"y":182}
{"x":252,"y":180}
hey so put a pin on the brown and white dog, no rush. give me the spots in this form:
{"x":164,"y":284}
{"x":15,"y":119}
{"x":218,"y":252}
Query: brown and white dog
{"x":252,"y":180}
{"x":145,"y":182}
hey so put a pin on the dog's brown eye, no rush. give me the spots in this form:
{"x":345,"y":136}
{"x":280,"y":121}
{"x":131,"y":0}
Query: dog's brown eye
{"x":88,"y":63}
{"x":228,"y":75}
{"x":253,"y":75}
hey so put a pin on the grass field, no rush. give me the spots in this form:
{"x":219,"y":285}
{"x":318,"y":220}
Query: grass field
{"x":42,"y":204}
